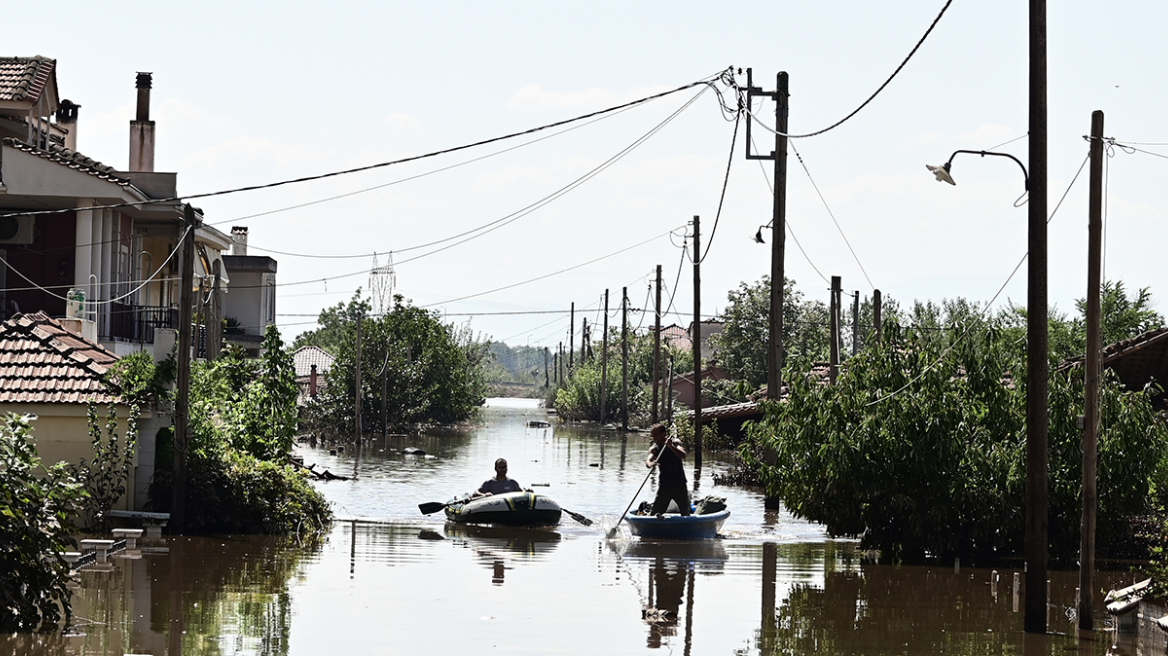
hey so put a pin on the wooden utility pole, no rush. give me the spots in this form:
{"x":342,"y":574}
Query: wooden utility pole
{"x":572,"y":340}
{"x":585,"y":339}
{"x":780,"y":96}
{"x":182,"y":405}
{"x":604,"y":361}
{"x":1092,"y":373}
{"x":1037,"y":345}
{"x":653,"y":418}
{"x":624,"y":358}
{"x":357,"y":381}
{"x":697,"y":347}
{"x":856,"y":323}
{"x":547,"y":381}
{"x":835,"y":327}
{"x":876,"y":318}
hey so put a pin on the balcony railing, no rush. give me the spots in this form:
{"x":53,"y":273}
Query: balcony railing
{"x":137,"y":323}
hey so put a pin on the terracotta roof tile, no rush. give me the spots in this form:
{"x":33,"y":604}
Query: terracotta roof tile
{"x":42,"y":362}
{"x":24,"y":78}
{"x":71,"y":159}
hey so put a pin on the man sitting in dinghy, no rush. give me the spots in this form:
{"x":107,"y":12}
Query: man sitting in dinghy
{"x":668,"y":453}
{"x":500,"y":483}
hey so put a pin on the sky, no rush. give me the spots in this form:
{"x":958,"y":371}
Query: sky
{"x":248,"y":94}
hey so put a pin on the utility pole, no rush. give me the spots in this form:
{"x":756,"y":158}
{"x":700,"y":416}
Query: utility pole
{"x":182,"y":406}
{"x":697,"y":348}
{"x":876,"y":318}
{"x":656,"y":348}
{"x":775,"y":359}
{"x":572,"y":340}
{"x":624,"y":358}
{"x":604,"y":361}
{"x":856,"y":324}
{"x":547,"y":382}
{"x":835,"y":327}
{"x":1092,"y":373}
{"x":1037,"y":345}
{"x":357,"y":382}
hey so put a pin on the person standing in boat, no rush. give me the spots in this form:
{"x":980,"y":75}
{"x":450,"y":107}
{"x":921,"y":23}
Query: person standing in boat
{"x":668,"y":454}
{"x":500,"y":483}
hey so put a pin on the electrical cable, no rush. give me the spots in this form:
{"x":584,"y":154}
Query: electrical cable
{"x":873,"y":96}
{"x":832,"y":215}
{"x":725,"y":184}
{"x":787,"y":224}
{"x":547,"y":275}
{"x":708,"y":82}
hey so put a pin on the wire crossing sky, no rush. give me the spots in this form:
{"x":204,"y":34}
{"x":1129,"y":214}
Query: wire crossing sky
{"x":348,"y":87}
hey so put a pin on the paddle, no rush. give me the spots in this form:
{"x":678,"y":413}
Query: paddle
{"x":578,"y":517}
{"x":432,"y":507}
{"x":612,"y":531}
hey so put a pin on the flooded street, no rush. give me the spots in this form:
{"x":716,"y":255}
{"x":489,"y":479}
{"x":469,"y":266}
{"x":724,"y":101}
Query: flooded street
{"x":387,"y":580}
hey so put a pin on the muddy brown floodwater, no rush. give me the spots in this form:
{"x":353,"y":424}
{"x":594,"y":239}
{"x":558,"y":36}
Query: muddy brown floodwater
{"x":387,"y":580}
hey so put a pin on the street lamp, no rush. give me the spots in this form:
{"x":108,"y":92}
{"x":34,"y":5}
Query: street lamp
{"x":1037,"y":345}
{"x":943,"y":173}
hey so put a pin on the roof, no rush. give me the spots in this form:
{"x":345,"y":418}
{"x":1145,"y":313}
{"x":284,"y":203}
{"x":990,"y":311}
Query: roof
{"x":306,"y":356}
{"x":42,"y":362}
{"x":71,"y":159}
{"x":25,"y":78}
{"x":1136,"y":361}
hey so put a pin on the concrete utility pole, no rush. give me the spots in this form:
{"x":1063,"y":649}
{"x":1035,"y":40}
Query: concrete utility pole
{"x":835,"y":328}
{"x":547,"y":381}
{"x":182,"y":405}
{"x":1037,"y":384}
{"x":697,"y":348}
{"x":624,"y":358}
{"x":572,"y":340}
{"x":775,"y":359}
{"x":1092,"y":372}
{"x":604,"y":361}
{"x":653,"y":417}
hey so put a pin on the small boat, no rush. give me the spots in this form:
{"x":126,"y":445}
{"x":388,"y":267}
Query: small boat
{"x":674,"y":526}
{"x":508,"y":509}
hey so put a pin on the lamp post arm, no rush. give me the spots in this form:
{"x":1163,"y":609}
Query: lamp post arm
{"x":983,"y":153}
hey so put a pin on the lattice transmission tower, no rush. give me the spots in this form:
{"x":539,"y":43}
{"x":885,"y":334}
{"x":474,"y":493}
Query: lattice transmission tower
{"x":382,"y":280}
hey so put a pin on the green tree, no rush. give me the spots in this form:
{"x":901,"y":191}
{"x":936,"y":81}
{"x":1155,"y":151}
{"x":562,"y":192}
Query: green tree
{"x":919,"y":448}
{"x":36,"y":506}
{"x":433,"y":372}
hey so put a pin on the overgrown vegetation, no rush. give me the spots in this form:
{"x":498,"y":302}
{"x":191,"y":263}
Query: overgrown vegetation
{"x":37,"y":504}
{"x":919,"y":448}
{"x":431,"y":372}
{"x":243,"y":421}
{"x":104,"y":477}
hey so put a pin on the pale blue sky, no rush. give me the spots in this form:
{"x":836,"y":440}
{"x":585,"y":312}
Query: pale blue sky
{"x":246,"y":94}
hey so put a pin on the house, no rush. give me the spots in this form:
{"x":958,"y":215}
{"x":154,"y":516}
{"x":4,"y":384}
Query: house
{"x":1137,"y":362}
{"x":94,"y":247}
{"x":312,"y":363}
{"x":250,"y":305}
{"x":52,"y":373}
{"x":677,"y":337}
{"x":682,"y":385}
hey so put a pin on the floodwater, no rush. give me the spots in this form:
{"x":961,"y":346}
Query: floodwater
{"x":387,"y":580}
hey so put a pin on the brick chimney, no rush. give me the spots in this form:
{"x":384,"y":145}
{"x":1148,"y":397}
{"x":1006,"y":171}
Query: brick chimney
{"x":312,"y":382}
{"x":142,"y":128}
{"x":238,"y":240}
{"x":67,"y":119}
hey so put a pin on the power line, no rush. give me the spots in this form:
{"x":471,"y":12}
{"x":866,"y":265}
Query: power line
{"x":707,"y":81}
{"x":787,"y":224}
{"x":725,"y":184}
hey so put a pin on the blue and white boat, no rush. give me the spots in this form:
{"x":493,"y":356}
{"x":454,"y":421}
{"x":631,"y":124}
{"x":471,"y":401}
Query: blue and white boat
{"x":675,"y":526}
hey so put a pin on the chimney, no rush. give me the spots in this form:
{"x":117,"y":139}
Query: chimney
{"x":239,"y":240}
{"x":142,"y":128}
{"x":67,"y":119}
{"x":312,"y":382}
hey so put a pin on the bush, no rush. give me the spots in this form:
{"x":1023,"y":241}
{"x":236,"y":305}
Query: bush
{"x":36,"y":504}
{"x":920,"y":450}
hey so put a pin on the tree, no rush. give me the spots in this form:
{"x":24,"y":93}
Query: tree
{"x":434,"y":372}
{"x":36,"y":503}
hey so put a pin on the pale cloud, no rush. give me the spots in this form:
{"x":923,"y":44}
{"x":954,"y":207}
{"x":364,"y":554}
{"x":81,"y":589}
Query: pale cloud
{"x":535,"y":97}
{"x":252,"y":150}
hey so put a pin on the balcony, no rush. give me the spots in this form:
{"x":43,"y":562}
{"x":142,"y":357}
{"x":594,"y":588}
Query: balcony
{"x":137,"y":323}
